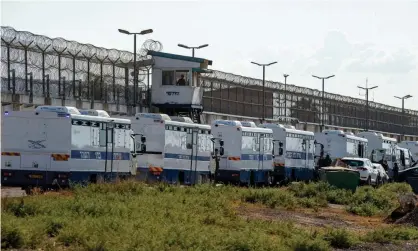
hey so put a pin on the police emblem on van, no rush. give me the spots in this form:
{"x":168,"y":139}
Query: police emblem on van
{"x":36,"y":144}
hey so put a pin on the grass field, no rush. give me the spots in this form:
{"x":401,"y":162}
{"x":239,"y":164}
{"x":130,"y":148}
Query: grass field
{"x":135,"y":216}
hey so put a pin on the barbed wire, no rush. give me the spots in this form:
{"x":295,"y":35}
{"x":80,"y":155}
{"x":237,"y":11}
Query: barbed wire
{"x":315,"y":93}
{"x":25,"y":52}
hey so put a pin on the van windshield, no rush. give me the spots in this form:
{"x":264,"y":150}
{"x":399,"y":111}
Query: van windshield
{"x":353,"y":163}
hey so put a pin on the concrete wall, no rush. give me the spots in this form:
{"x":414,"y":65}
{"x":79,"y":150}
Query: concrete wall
{"x":21,"y":103}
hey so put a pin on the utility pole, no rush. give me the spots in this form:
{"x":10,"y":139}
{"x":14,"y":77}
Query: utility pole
{"x":322,"y":117}
{"x":403,"y":113}
{"x":264,"y":85}
{"x":367,"y":102}
{"x":285,"y":94}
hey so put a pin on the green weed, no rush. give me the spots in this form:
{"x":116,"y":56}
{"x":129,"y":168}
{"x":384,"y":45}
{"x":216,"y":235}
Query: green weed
{"x":133,"y":216}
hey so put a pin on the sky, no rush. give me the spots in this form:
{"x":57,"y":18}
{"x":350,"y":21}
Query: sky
{"x":353,"y":40}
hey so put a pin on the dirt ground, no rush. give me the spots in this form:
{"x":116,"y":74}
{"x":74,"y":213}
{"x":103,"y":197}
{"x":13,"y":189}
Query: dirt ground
{"x":334,"y":216}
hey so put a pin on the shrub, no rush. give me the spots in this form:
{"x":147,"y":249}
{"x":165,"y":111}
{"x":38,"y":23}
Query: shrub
{"x":301,"y":189}
{"x":20,"y":209}
{"x":339,"y":196}
{"x":270,"y":197}
{"x":11,"y":237}
{"x":310,"y":245}
{"x":340,"y":238}
{"x":53,"y":227}
{"x":390,"y":234}
{"x":368,"y":201}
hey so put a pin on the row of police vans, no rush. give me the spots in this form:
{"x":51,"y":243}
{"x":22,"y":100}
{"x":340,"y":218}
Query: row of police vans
{"x":58,"y":145}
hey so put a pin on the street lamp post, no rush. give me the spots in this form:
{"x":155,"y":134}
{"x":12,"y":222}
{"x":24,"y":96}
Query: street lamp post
{"x":48,"y":95}
{"x":13,"y":81}
{"x":322,"y":99}
{"x":135,"y":71}
{"x":79,"y":88}
{"x":403,"y":112}
{"x":193,"y":48}
{"x":30,"y":74}
{"x":264,"y":85}
{"x":285,"y":94}
{"x":367,"y":103}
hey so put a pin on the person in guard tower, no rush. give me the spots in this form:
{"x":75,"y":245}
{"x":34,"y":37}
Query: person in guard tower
{"x":181,"y":80}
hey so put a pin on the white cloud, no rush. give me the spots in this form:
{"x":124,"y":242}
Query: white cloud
{"x":372,"y":60}
{"x":339,"y":56}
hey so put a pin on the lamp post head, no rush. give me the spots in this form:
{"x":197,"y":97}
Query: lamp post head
{"x":203,"y":46}
{"x":323,"y":77}
{"x":264,"y":64}
{"x":124,"y":31}
{"x":183,"y":46}
{"x":404,"y":97}
{"x":285,"y":75}
{"x":146,"y":31}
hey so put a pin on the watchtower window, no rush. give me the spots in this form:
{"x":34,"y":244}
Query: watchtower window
{"x":168,"y":78}
{"x":182,"y":78}
{"x":177,"y":77}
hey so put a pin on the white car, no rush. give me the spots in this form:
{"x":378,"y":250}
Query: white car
{"x":383,"y":177}
{"x":368,"y":173}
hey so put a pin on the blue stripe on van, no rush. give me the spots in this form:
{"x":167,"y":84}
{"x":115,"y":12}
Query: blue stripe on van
{"x":99,"y":155}
{"x":186,"y":157}
{"x":256,"y":157}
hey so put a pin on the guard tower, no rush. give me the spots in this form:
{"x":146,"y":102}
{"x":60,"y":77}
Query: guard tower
{"x":175,"y":87}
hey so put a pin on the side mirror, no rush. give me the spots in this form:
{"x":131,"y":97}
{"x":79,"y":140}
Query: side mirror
{"x":221,"y":151}
{"x":280,"y":151}
{"x":221,"y":142}
{"x":280,"y":144}
{"x":143,"y":139}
